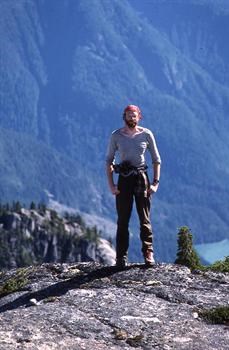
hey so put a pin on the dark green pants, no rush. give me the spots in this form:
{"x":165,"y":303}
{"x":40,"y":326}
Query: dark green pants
{"x":124,"y":205}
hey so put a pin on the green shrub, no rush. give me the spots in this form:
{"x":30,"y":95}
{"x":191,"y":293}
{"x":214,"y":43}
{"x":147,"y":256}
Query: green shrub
{"x":217,"y":315}
{"x":14,"y":283}
{"x":220,"y":265}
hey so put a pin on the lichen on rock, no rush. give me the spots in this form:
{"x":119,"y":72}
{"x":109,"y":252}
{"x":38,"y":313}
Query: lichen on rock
{"x":89,"y":305}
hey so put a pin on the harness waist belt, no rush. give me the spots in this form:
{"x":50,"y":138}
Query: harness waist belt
{"x":126,"y":169}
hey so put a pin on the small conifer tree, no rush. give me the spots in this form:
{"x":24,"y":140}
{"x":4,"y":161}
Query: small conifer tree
{"x":32,"y":206}
{"x":186,"y":254}
{"x":42,"y":208}
{"x":7,"y":207}
{"x":16,"y":206}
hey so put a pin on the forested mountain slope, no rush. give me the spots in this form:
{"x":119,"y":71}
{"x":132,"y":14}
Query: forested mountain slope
{"x":68,"y":68}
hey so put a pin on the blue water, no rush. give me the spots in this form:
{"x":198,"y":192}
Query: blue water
{"x":212,"y":252}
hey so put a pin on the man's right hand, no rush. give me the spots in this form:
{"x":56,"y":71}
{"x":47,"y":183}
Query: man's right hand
{"x":115,"y":190}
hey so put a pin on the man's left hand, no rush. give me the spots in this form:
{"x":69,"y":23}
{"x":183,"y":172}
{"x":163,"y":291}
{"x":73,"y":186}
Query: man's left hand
{"x":153,"y":189}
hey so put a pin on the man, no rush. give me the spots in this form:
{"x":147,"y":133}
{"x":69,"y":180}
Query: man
{"x":131,"y":142}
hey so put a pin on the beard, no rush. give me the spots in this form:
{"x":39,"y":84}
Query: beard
{"x":130,"y":123}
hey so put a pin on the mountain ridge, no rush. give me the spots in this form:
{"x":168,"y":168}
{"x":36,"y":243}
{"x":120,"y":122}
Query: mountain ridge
{"x":68,"y":70}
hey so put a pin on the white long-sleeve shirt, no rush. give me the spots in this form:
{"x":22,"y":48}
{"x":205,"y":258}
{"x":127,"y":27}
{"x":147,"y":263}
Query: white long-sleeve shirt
{"x":132,"y":148}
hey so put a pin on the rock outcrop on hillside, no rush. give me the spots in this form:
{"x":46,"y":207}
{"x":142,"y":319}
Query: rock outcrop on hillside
{"x":93,"y":306}
{"x":29,"y":237}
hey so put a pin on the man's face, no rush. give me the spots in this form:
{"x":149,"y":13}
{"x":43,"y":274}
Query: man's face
{"x":131,"y":119}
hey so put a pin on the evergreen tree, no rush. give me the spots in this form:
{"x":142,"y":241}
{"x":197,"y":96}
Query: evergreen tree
{"x":76,"y":218}
{"x":186,"y":255}
{"x":42,"y":208}
{"x":18,"y":207}
{"x":66,"y":215}
{"x":32,"y":206}
{"x":53,"y":215}
{"x":7,"y":207}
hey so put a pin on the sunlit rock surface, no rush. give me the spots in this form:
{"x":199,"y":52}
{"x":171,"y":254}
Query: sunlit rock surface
{"x":93,"y":306}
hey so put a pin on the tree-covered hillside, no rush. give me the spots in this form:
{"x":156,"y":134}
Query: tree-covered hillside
{"x":68,"y":68}
{"x":39,"y":235}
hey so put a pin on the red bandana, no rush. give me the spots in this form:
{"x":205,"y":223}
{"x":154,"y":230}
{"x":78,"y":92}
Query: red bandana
{"x":134,"y":109}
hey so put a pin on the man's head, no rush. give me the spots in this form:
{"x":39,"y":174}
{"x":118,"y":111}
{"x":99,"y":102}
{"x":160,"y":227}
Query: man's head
{"x":132,"y":115}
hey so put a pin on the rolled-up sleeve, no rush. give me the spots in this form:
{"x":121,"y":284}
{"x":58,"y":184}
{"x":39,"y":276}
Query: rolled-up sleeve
{"x":152,"y":146}
{"x":111,"y":149}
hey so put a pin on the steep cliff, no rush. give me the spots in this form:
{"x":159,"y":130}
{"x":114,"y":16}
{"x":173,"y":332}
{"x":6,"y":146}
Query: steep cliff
{"x":36,"y":236}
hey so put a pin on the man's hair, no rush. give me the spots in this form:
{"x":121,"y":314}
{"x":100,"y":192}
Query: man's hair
{"x":132,"y":108}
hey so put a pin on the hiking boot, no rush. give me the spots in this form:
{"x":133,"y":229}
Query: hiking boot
{"x":121,"y":262}
{"x":149,"y":259}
